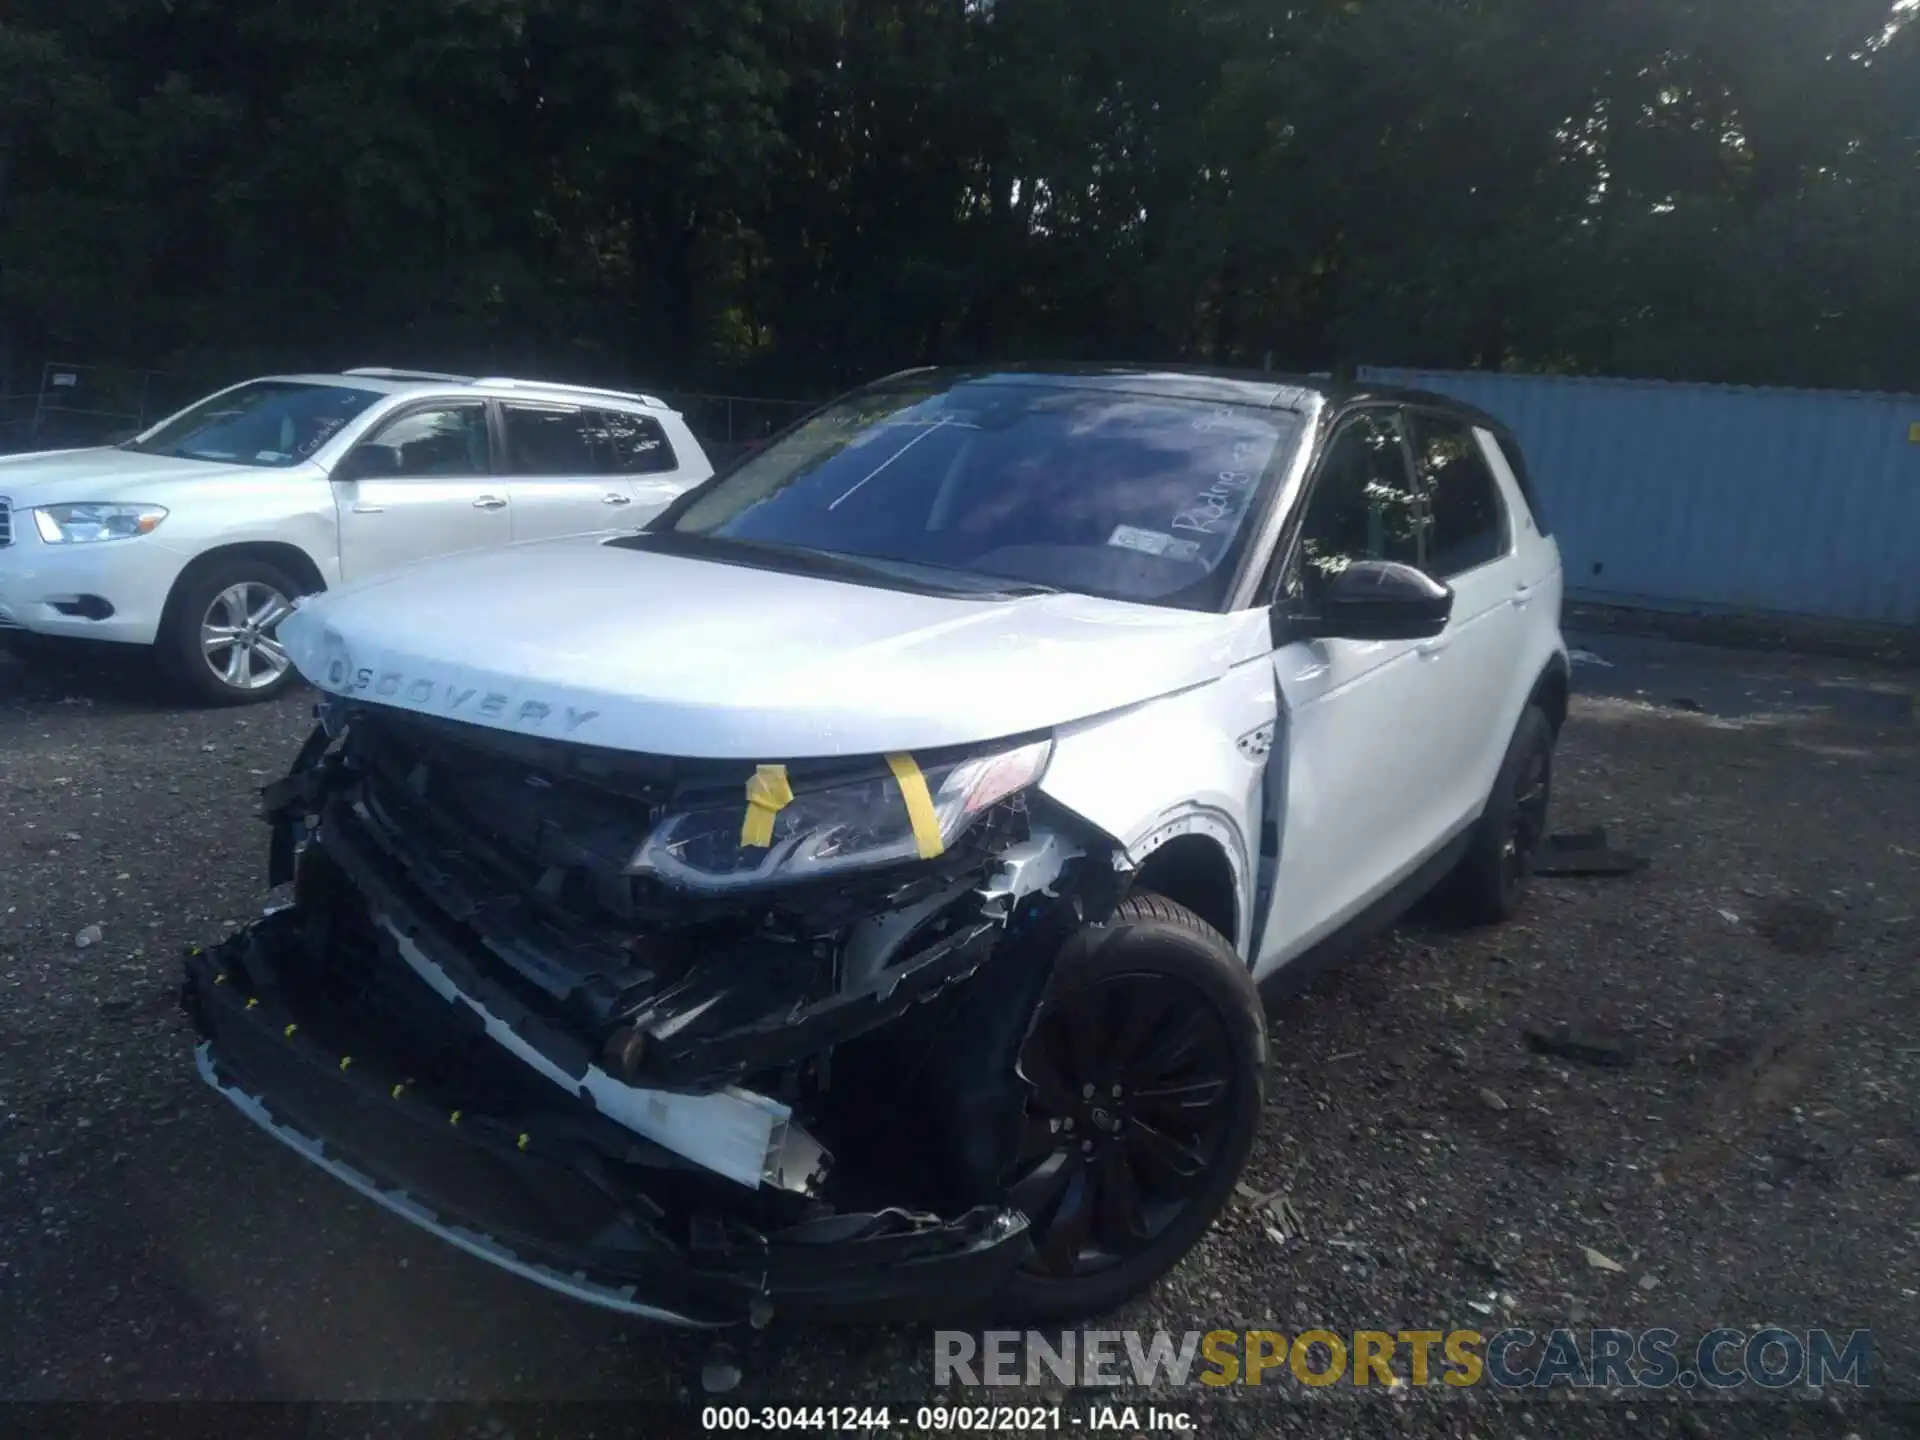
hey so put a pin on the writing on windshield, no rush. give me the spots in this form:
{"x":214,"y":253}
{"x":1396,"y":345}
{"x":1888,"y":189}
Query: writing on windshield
{"x":1136,"y":497}
{"x":265,"y":422}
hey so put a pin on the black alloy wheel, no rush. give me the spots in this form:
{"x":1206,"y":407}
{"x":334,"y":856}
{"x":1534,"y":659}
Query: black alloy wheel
{"x":1127,"y":1117}
{"x":1145,"y":1066}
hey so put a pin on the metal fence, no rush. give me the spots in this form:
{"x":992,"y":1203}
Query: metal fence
{"x":85,"y":404}
{"x":1718,"y":498}
{"x":730,"y":425}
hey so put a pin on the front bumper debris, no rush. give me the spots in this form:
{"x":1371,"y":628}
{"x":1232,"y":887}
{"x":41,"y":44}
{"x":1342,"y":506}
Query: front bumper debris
{"x":476,"y":1013}
{"x":415,"y":1106}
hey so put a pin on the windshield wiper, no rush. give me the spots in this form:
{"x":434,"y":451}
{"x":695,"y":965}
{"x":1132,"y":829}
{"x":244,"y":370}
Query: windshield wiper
{"x":973,"y":582}
{"x":180,"y":454}
{"x":832,"y":564}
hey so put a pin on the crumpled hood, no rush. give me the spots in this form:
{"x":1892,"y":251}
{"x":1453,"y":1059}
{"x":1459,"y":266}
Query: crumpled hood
{"x":66,"y":477}
{"x":660,"y":654}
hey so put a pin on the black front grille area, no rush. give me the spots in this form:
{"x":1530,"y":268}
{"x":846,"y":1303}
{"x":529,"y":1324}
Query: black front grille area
{"x":363,"y":998}
{"x":540,"y":820}
{"x":508,"y":862}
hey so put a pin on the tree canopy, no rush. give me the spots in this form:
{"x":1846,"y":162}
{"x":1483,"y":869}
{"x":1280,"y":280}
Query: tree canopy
{"x":792,"y":194}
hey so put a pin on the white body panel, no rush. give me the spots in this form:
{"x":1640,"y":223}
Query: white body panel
{"x":1190,"y":763}
{"x":548,"y":507}
{"x":650,"y":652}
{"x":1356,"y":795}
{"x":385,"y":524}
{"x":349,"y":532}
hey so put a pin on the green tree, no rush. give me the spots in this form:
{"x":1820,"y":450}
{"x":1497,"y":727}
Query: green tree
{"x":794,"y":194}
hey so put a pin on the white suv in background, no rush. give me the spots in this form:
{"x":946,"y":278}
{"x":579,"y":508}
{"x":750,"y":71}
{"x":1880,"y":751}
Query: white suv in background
{"x":195,"y":536}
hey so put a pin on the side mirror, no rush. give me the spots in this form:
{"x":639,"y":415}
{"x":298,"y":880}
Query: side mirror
{"x":367,"y":462}
{"x":1378,"y":600}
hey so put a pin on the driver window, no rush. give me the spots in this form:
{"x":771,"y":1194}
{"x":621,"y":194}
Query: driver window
{"x":443,"y":441}
{"x":1363,"y":506}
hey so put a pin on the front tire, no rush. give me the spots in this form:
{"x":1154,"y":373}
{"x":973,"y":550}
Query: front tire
{"x":219,"y":641}
{"x":1147,"y":1068}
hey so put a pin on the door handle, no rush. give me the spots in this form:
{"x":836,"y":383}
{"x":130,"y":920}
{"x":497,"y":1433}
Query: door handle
{"x":369,"y":509}
{"x":613,"y":499}
{"x":1522,"y":594}
{"x":1427,"y":649}
{"x":489,"y":502}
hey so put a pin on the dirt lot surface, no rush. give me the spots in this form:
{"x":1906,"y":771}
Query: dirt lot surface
{"x":1755,"y":1161}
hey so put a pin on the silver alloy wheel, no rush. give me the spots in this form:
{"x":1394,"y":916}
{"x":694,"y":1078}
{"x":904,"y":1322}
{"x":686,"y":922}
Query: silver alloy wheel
{"x":237,"y":635}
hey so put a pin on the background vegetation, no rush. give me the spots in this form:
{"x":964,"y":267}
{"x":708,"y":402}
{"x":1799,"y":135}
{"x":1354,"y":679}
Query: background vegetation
{"x":788,"y":194}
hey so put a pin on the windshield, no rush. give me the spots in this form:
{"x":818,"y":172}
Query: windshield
{"x":1133,"y":497}
{"x":265,"y":422}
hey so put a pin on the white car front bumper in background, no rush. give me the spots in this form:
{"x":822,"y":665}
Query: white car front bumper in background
{"x":112,"y":590}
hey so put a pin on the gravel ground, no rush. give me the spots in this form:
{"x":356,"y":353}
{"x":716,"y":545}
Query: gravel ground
{"x":1755,"y":1163}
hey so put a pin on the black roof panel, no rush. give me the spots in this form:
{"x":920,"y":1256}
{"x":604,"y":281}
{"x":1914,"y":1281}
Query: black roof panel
{"x":1190,"y":382}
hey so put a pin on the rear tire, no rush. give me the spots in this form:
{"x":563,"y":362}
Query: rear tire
{"x":1492,"y":878}
{"x":218,"y":639}
{"x":1147,"y":1067}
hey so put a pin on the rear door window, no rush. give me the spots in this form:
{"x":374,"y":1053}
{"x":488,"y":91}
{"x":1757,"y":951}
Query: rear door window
{"x":629,"y":444}
{"x":1517,"y":463}
{"x":1466,"y":518}
{"x":548,"y":440}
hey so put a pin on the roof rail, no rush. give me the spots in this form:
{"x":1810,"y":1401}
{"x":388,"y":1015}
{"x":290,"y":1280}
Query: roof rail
{"x":507,"y":382}
{"x":382,"y":372}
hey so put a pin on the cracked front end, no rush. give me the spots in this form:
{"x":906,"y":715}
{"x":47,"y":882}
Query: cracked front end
{"x":683,"y":1039}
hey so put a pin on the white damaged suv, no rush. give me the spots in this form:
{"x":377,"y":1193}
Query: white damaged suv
{"x":856,"y":888}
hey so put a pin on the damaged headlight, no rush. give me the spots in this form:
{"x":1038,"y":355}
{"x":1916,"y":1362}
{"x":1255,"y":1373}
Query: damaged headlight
{"x":905,"y":814}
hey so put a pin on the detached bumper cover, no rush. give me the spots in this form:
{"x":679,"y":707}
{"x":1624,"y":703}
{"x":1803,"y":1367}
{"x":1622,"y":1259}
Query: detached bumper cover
{"x":553,"y":1192}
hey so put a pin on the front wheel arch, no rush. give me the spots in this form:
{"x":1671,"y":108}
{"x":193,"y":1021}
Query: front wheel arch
{"x":290,"y":560}
{"x":1194,"y":871}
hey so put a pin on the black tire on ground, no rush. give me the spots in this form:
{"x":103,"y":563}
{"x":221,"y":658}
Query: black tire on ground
{"x":1492,"y":877}
{"x":179,"y":647}
{"x":1156,"y":998}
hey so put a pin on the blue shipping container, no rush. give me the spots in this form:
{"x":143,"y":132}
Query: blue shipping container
{"x":1717,"y":498}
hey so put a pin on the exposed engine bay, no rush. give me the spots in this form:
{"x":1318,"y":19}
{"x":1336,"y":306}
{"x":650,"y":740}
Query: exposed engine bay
{"x":684,"y":1038}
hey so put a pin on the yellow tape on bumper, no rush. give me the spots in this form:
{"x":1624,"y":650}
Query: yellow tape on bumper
{"x":768,"y":793}
{"x":913,"y":786}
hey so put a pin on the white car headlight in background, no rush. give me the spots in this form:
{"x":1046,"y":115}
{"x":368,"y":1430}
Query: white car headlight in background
{"x":855,"y":825}
{"x":85,"y":524}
